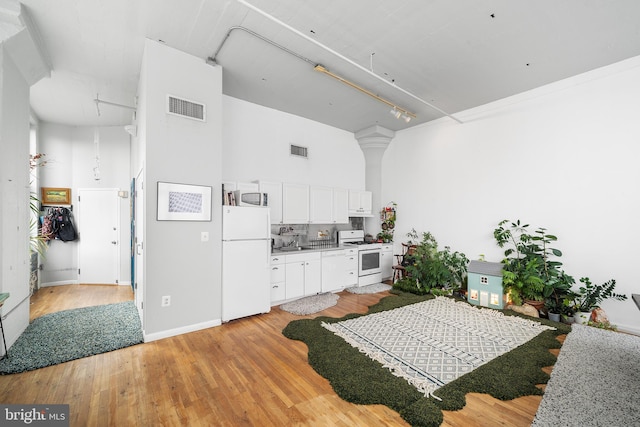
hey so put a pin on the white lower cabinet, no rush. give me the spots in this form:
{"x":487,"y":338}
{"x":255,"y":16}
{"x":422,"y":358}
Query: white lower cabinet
{"x":351,"y":267}
{"x":302,"y":275}
{"x":386,"y":261}
{"x":333,"y":266}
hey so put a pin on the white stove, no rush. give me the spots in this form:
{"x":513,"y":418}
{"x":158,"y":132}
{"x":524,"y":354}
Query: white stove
{"x":369,"y":268}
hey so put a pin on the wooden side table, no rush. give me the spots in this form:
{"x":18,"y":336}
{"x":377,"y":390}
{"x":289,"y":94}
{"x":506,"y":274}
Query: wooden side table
{"x":3,"y":297}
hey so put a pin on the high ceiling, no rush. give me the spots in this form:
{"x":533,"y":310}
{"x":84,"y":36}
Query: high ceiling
{"x":452,"y":54}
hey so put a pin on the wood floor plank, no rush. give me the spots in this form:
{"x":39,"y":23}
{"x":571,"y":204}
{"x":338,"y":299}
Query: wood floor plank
{"x":243,"y":373}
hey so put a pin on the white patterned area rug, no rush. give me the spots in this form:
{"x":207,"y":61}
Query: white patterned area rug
{"x":433,"y":342}
{"x":369,"y":289}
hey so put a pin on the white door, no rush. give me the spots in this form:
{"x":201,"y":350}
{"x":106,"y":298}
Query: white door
{"x":99,"y":236}
{"x":138,"y":244}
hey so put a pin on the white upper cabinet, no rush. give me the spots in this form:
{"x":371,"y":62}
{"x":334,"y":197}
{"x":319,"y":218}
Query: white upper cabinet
{"x":360,"y":203}
{"x":295,"y":203}
{"x":274,"y":199}
{"x":320,"y":205}
{"x":340,"y":206}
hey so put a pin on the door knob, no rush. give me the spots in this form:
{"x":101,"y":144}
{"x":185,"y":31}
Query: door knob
{"x":113,"y":242}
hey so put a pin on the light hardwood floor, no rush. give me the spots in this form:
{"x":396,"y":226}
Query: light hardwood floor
{"x":243,"y":373}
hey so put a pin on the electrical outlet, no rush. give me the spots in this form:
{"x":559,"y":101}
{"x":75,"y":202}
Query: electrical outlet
{"x":166,"y":301}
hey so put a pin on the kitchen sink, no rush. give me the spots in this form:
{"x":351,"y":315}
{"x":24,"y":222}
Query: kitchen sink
{"x":290,"y":248}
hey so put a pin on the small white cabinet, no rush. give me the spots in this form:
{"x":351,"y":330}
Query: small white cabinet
{"x":340,"y":206}
{"x":386,"y":261}
{"x":320,"y":205}
{"x":360,"y":203}
{"x":295,"y":203}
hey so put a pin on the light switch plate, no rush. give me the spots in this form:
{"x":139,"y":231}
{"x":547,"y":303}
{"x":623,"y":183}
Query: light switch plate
{"x":204,"y":236}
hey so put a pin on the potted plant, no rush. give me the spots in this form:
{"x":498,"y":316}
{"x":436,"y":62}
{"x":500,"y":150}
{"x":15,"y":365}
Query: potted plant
{"x":530,"y":265}
{"x":429,"y":268}
{"x":590,"y":296}
{"x":557,"y":292}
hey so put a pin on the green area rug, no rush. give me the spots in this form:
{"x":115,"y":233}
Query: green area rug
{"x":358,"y":379}
{"x":72,"y":334}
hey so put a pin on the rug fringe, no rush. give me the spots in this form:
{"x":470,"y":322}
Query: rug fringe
{"x":423,"y":385}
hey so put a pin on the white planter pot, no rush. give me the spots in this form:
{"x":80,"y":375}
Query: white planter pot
{"x":582,"y":317}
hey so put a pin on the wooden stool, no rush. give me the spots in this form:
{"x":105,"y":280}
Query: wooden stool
{"x":398,"y":270}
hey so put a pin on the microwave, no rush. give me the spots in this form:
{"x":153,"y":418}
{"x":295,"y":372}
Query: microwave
{"x":251,"y":198}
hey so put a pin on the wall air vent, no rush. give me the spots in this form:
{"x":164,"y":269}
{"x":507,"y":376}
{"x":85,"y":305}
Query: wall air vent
{"x":186,"y":108}
{"x":299,"y":151}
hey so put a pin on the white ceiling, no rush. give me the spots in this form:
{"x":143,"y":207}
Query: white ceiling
{"x":454,"y":54}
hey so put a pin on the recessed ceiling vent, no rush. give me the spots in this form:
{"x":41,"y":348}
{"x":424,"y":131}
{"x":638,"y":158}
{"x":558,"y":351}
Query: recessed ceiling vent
{"x":299,"y":151}
{"x":186,"y":108}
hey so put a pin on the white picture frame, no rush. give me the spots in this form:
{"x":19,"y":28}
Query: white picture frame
{"x":183,"y":202}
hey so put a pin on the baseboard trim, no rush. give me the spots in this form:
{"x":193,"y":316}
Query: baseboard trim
{"x":60,"y":283}
{"x":179,"y":331}
{"x":628,"y":329}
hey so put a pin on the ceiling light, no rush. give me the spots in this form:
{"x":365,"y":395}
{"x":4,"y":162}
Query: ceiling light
{"x":406,"y":118}
{"x":395,"y":113}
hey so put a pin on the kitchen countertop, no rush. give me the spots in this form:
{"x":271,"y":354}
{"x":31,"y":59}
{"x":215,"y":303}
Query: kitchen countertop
{"x":277,"y":251}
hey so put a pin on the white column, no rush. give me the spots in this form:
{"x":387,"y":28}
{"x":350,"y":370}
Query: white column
{"x":373,"y":142}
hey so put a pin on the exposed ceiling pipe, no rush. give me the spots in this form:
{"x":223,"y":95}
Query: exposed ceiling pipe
{"x":99,"y":101}
{"x":213,"y":60}
{"x":344,"y":58}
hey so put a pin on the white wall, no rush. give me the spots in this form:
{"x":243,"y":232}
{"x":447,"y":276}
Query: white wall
{"x":256,"y":147}
{"x":563,"y":156}
{"x":70,"y":156}
{"x":14,"y":187}
{"x":179,"y":150}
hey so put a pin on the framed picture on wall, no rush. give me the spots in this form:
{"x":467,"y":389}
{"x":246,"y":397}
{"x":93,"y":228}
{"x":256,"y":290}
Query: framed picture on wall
{"x":55,"y":196}
{"x":183,"y":202}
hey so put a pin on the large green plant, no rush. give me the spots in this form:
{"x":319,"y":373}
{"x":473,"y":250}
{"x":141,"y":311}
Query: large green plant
{"x":531,"y":269}
{"x":427,"y":267}
{"x":590,"y":296}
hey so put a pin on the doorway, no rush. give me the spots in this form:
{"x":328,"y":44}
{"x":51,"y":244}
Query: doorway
{"x":138,"y":243}
{"x":99,"y":242}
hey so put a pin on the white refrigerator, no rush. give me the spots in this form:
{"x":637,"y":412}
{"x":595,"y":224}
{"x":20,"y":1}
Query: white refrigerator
{"x":246,"y":252}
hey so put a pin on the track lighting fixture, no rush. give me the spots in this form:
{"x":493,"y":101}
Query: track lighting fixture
{"x":396,"y":111}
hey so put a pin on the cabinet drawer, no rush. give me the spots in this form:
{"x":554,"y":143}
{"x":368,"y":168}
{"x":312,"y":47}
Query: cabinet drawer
{"x":351,"y":262}
{"x":278,"y":291}
{"x":277,"y":259}
{"x":277,"y":273}
{"x":351,"y":277}
{"x":308,"y":256}
{"x":351,"y":251}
